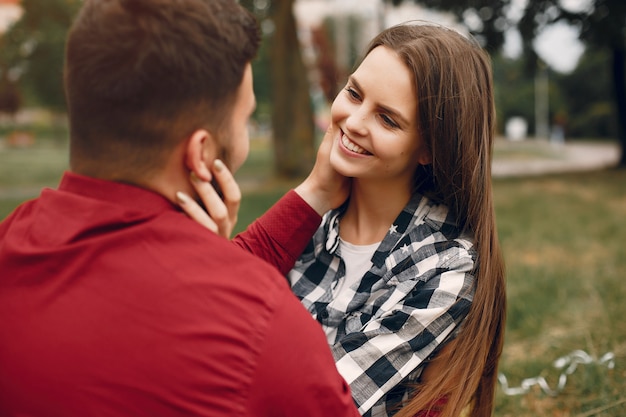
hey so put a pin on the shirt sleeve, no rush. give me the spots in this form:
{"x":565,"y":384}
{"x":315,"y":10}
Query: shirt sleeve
{"x":296,"y":375}
{"x":388,"y":348}
{"x":282,"y":233}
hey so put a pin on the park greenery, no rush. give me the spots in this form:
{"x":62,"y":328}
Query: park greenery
{"x":562,"y":235}
{"x":589,"y":101}
{"x":601,"y":28}
{"x":31,"y":56}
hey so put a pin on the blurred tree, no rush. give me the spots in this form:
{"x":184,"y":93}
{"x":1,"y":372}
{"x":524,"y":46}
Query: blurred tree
{"x":326,"y":63}
{"x":261,"y":66}
{"x":602,"y":26}
{"x":514,"y":90}
{"x":292,"y":113}
{"x":589,"y":104}
{"x":605,"y":28}
{"x":485,"y":19}
{"x":581,"y":99}
{"x":34,"y":47}
{"x":338,"y":44}
{"x":10,"y":97}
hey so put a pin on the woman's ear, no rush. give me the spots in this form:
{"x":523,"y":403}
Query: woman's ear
{"x":425,"y":159}
{"x":201,"y":151}
{"x":424,"y":156}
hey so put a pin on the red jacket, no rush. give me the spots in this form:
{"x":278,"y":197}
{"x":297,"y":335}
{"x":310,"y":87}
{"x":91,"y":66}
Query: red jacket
{"x":114,"y":303}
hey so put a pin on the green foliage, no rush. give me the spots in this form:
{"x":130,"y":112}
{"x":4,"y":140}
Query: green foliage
{"x":514,"y":90}
{"x":582,"y":98}
{"x":588,"y":90}
{"x":489,"y":13}
{"x":34,"y":47}
{"x":262,"y":85}
{"x":282,"y":86}
{"x":261,"y":69}
{"x":601,"y":23}
{"x":604,"y":25}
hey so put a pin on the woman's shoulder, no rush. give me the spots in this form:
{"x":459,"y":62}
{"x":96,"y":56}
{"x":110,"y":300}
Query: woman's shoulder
{"x":437,"y":216}
{"x":435,"y":231}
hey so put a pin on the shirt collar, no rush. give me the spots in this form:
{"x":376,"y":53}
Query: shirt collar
{"x":416,"y":210}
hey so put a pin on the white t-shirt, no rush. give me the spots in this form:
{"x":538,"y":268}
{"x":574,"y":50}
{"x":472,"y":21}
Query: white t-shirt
{"x":357,"y":259}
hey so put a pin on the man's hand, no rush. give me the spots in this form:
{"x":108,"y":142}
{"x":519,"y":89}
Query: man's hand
{"x":325,"y":188}
{"x":221,"y":214}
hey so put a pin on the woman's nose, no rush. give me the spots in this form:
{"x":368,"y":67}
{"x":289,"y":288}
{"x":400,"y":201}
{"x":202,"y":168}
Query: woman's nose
{"x":357,"y":122}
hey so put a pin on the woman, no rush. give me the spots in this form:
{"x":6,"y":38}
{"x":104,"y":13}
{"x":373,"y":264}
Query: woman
{"x":409,"y":269}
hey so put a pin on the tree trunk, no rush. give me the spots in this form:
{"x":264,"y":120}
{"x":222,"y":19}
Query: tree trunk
{"x":619,"y":82}
{"x":292,"y":112}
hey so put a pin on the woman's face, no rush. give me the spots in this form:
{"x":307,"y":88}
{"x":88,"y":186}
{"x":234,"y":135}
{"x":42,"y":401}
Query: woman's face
{"x":376,"y":115}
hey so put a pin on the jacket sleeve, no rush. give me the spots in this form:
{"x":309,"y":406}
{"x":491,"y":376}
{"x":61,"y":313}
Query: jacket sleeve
{"x":282,"y":233}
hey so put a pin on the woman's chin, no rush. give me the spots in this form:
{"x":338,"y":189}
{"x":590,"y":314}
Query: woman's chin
{"x":338,"y":164}
{"x":342,"y":168}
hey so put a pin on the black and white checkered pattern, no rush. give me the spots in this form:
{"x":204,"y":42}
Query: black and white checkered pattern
{"x":415,"y":296}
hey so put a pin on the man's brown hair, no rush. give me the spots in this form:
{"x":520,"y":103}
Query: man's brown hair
{"x":141,"y":75}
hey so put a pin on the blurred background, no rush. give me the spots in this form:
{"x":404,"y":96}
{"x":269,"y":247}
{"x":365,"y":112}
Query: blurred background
{"x":559,"y":165}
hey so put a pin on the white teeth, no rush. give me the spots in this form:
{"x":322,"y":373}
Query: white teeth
{"x":352,"y":146}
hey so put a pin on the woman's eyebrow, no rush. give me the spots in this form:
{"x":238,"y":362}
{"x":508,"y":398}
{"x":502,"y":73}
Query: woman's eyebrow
{"x":386,"y":109}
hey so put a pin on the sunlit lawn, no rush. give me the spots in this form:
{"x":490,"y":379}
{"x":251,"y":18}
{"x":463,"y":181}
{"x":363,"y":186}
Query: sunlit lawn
{"x":564,"y":239}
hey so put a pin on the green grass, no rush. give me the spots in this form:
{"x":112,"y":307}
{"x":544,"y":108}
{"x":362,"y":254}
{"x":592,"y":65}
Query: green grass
{"x":260,"y":188}
{"x":25,"y":170}
{"x":563,"y":238}
{"x":33,"y":167}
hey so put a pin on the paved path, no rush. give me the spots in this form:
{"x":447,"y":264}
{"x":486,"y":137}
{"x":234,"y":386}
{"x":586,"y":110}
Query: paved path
{"x":536,"y":158}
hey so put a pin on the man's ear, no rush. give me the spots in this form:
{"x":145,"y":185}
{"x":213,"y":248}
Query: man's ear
{"x":201,"y":151}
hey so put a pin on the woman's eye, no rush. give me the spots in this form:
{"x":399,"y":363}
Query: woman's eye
{"x":353,"y":93}
{"x":388,"y":121}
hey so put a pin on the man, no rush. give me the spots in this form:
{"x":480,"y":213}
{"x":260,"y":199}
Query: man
{"x":115,"y":303}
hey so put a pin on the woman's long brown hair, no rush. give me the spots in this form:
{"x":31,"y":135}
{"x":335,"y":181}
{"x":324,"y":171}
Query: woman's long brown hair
{"x":456,"y":119}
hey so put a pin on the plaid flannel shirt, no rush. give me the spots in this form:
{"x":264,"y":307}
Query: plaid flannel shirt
{"x":415,"y":296}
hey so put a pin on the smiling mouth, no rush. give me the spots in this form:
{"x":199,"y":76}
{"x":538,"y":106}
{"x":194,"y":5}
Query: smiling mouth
{"x":351,"y":146}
